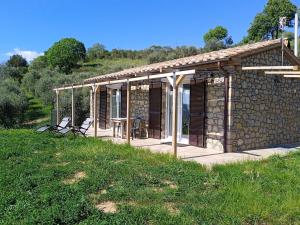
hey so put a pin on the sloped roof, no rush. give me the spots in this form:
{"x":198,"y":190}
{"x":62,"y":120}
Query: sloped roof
{"x":209,"y":57}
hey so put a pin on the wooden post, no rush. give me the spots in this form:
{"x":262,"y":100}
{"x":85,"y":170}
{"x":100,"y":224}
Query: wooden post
{"x":95,"y":111}
{"x":174,"y":116}
{"x":57,"y":107}
{"x":73,"y":107}
{"x":91,"y":103}
{"x":128,"y":127}
{"x":226,"y":97}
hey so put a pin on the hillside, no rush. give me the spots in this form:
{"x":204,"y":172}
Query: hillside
{"x":103,"y":66}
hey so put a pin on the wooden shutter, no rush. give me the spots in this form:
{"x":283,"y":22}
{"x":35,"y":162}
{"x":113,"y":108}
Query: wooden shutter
{"x":155,"y":102}
{"x":102,"y":107}
{"x":197,"y":113}
{"x":124,"y":101}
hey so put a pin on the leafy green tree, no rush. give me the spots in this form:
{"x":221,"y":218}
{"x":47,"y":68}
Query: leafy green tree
{"x":13,"y":103}
{"x":15,"y":67}
{"x":65,"y":54}
{"x":97,"y":51}
{"x":217,"y":38}
{"x":29,"y":81}
{"x":17,"y":61}
{"x":38,"y":63}
{"x":16,"y":73}
{"x":218,"y":33}
{"x":266,"y":24}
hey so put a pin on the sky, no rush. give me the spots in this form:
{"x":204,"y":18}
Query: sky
{"x":30,"y":27}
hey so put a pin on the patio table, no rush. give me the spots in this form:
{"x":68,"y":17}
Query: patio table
{"x":119,"y":122}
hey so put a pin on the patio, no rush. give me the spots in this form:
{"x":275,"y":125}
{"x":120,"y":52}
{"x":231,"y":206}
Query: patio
{"x":204,"y":156}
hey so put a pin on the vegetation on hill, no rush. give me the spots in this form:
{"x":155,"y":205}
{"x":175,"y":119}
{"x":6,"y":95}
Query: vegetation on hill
{"x":67,"y":61}
{"x":266,"y":23}
{"x":65,"y":54}
{"x":50,"y":180}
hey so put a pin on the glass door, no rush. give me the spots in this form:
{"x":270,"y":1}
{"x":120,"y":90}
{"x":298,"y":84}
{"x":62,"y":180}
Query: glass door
{"x":115,"y":103}
{"x":183,"y":113}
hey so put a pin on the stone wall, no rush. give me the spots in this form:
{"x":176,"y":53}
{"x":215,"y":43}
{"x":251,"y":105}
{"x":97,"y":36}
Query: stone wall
{"x":264,"y":109}
{"x":140,"y":101}
{"x":214,"y":127}
{"x":215,"y":114}
{"x":214,"y":107}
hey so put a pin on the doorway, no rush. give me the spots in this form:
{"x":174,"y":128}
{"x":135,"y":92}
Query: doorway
{"x":183,"y":113}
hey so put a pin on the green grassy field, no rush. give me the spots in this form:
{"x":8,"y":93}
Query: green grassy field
{"x":46,"y":179}
{"x":37,"y":113}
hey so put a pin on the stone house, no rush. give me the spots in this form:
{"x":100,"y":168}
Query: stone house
{"x":218,"y":104}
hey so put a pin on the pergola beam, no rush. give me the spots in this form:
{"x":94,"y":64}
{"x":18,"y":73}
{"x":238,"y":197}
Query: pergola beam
{"x":270,"y":68}
{"x":174,"y":116}
{"x":128,"y":127}
{"x":176,"y":82}
{"x":95,"y":88}
{"x":282,"y":72}
{"x":73,"y":108}
{"x":149,"y":77}
{"x":180,"y":79}
{"x":292,"y":76}
{"x":57,"y":107}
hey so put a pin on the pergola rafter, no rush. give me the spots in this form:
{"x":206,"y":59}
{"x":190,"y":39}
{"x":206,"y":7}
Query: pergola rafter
{"x":175,"y":78}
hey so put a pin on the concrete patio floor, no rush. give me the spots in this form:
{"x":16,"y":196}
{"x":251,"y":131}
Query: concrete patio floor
{"x":204,"y":156}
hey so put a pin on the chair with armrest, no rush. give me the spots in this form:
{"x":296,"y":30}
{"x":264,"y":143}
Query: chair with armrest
{"x":63,"y":124}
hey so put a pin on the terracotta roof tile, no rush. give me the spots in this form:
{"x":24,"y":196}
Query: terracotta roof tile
{"x":220,"y":55}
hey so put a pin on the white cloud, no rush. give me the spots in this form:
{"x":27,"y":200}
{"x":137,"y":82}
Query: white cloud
{"x":28,"y":55}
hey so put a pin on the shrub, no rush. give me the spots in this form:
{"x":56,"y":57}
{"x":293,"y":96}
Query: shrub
{"x":42,"y":82}
{"x":39,"y":63}
{"x":17,"y":61}
{"x":13,"y":103}
{"x":65,"y":54}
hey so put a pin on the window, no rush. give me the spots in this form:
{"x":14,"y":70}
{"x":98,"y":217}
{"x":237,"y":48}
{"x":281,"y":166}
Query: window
{"x":116,"y":103}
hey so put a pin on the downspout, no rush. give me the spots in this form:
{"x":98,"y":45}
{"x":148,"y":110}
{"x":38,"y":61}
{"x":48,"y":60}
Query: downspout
{"x":226,"y":106}
{"x":296,"y":34}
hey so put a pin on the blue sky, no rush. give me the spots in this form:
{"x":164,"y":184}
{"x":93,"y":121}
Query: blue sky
{"x":31,"y":26}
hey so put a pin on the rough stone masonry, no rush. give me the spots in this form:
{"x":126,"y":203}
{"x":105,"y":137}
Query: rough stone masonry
{"x":264,"y":109}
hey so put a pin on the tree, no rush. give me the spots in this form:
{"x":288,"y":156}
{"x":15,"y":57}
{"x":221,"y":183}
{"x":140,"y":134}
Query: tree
{"x":17,"y":61}
{"x":65,"y":54}
{"x":38,"y":63}
{"x":217,"y":38}
{"x":97,"y":51}
{"x":266,"y":24}
{"x":13,"y":103}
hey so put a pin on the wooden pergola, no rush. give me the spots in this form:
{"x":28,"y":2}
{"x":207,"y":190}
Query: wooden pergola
{"x":285,"y":71}
{"x":174,"y":78}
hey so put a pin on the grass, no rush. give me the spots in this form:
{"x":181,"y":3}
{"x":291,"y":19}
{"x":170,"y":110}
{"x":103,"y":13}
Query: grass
{"x":46,"y":179}
{"x":103,"y":66}
{"x":36,"y":113}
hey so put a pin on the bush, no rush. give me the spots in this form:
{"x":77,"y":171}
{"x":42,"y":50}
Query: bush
{"x":17,"y":61}
{"x":16,"y":73}
{"x":29,"y":81}
{"x":41,"y":84}
{"x":65,"y":54}
{"x":39,"y":63}
{"x":13,"y":103}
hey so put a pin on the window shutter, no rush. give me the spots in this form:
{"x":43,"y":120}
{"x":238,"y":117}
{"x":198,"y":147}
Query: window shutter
{"x":197,"y":113}
{"x":102,"y":107}
{"x":124,"y":101}
{"x":155,"y":104}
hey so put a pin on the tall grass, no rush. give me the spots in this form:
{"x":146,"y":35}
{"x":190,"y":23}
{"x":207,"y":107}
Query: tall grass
{"x":38,"y":186}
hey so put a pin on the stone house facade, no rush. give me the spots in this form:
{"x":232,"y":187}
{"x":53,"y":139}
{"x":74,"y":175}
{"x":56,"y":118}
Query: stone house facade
{"x":265,"y":109}
{"x":239,"y":110}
